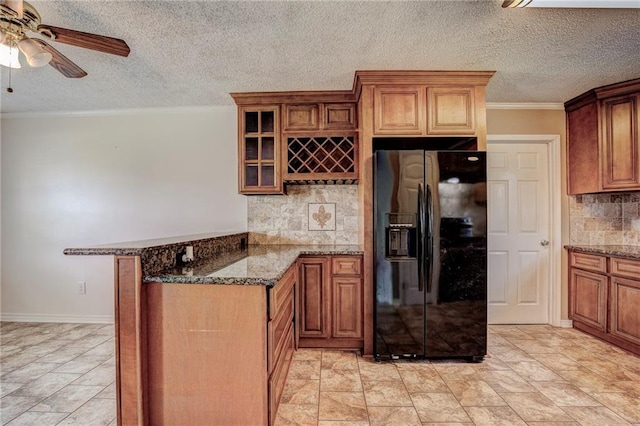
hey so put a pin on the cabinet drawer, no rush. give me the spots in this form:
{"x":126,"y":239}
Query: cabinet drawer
{"x":590,"y":262}
{"x":281,"y":293}
{"x":279,"y":375}
{"x":625,"y":267}
{"x":276,"y":332}
{"x":345,"y":265}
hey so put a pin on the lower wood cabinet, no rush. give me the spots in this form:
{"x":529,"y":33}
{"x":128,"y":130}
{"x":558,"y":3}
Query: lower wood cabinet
{"x":330,"y":302}
{"x":604,"y":296}
{"x":217,"y":354}
{"x":589,"y":298}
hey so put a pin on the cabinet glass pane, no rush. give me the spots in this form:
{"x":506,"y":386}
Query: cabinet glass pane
{"x":251,"y":122}
{"x":251,"y":175}
{"x":268,"y":149}
{"x":267,"y":121}
{"x":251,"y":148}
{"x":267,"y":174}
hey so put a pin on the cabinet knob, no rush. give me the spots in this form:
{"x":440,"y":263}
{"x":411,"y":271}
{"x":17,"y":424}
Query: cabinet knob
{"x":544,"y":243}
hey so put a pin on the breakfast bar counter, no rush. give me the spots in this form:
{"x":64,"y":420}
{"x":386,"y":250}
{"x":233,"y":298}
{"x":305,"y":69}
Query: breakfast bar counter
{"x":222,"y":351}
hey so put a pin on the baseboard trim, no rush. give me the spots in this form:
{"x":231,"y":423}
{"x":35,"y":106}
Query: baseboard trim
{"x":88,"y":319}
{"x":566,"y":323}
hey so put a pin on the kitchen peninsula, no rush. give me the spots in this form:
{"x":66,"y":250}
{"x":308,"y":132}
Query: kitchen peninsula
{"x":210,"y":341}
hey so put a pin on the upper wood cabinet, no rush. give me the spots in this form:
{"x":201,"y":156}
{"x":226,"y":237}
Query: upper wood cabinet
{"x":293,"y":137}
{"x":411,"y":110}
{"x":424,"y":103}
{"x":259,"y":150}
{"x":602,"y":136}
{"x":319,"y":117}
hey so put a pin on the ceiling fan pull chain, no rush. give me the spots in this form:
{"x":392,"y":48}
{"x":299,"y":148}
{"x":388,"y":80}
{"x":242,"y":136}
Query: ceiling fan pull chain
{"x":10,"y":89}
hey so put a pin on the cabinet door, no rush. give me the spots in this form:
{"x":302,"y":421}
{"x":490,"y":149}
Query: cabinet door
{"x":624,"y":319}
{"x":347,"y":307}
{"x":451,"y":111}
{"x":259,"y":151}
{"x":582,"y":149}
{"x":339,"y":116}
{"x":314,"y":297}
{"x":588,"y":298}
{"x":301,"y":117}
{"x":399,"y":110}
{"x":620,"y":154}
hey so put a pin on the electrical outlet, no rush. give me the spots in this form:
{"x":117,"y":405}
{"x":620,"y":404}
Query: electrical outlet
{"x":81,"y":287}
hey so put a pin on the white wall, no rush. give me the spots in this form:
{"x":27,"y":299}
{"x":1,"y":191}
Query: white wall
{"x":72,"y":180}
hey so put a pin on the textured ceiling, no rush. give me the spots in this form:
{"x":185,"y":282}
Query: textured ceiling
{"x":193,"y":53}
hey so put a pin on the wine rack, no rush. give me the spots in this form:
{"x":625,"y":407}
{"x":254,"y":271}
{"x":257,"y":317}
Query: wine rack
{"x":330,"y":159}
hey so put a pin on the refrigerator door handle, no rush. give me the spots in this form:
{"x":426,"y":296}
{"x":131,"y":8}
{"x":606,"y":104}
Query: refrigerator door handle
{"x":420,"y":232}
{"x":429,"y":239}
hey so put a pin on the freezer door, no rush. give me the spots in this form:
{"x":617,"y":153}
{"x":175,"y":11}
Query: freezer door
{"x":399,"y":310}
{"x":456,"y":310}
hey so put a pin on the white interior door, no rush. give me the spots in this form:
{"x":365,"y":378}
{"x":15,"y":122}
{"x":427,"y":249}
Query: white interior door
{"x":518,"y":226}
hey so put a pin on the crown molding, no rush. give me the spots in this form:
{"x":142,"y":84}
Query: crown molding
{"x":192,"y":109}
{"x":118,"y":112}
{"x":525,"y":105}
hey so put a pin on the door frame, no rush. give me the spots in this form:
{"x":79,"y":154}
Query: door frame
{"x":555,"y":215}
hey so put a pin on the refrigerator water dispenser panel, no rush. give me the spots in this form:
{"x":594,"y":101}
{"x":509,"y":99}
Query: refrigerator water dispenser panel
{"x":400,"y":241}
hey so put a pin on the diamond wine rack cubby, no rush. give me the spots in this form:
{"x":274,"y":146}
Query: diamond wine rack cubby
{"x":316,"y":159}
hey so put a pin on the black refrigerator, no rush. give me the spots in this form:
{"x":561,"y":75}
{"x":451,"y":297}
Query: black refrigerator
{"x":430,"y":233}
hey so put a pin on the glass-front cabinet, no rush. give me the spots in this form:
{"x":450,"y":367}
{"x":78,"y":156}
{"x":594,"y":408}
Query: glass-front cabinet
{"x":259,"y":150}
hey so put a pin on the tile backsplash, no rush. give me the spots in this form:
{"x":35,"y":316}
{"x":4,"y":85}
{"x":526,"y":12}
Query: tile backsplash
{"x":308,"y":214}
{"x":605,"y":219}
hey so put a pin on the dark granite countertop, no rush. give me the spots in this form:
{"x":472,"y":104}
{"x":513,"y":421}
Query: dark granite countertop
{"x":255,"y":265}
{"x":136,"y":248}
{"x":632,"y":252}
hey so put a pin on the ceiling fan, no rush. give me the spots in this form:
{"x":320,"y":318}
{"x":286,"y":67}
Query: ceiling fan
{"x":18,"y":17}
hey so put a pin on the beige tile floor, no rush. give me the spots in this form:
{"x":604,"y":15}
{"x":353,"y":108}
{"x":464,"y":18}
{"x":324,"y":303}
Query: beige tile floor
{"x":62,"y":374}
{"x":534,"y":375}
{"x":57,"y":374}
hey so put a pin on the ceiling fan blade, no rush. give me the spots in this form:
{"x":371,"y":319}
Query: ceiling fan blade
{"x":15,"y":5}
{"x":101,"y":43}
{"x":61,"y":62}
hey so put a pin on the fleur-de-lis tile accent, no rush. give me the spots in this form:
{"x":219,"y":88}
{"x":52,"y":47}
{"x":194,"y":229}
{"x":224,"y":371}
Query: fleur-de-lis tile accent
{"x":322,"y":217}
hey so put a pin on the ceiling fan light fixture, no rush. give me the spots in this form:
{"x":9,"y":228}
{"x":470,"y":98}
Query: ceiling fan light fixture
{"x":515,"y":3}
{"x":595,"y":4}
{"x":9,"y":56}
{"x":36,"y":55}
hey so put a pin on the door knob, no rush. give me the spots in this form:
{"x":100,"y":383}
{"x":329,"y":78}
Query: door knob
{"x":544,"y":243}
